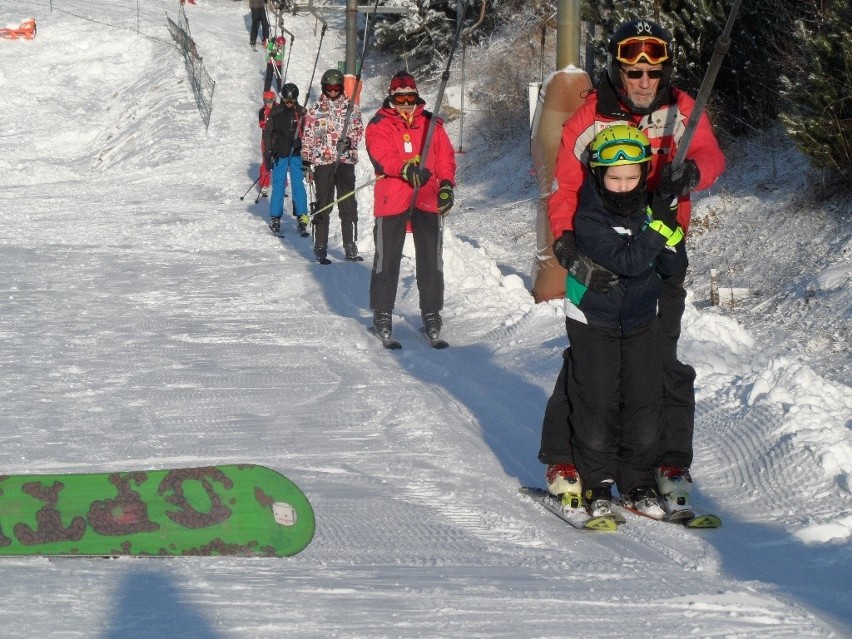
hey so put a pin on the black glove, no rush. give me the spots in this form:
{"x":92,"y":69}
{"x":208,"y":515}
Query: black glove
{"x":414,"y":174}
{"x":343,"y":146}
{"x":679,"y":182}
{"x":664,"y":208}
{"x":306,"y":167}
{"x":565,"y":249}
{"x":268,"y":160}
{"x":593,"y":276}
{"x":445,"y":197}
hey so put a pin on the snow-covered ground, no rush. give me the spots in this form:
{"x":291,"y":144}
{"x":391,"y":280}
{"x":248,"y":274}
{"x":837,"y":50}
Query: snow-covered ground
{"x":149,"y":319}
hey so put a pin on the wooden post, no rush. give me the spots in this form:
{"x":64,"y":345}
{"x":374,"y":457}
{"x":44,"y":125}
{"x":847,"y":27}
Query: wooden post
{"x":714,"y":287}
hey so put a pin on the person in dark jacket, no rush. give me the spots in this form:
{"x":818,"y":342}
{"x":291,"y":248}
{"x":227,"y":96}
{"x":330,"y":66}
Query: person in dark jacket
{"x":259,"y":22}
{"x":615,"y":380}
{"x":395,"y":138}
{"x":636,"y":89}
{"x":282,"y":141}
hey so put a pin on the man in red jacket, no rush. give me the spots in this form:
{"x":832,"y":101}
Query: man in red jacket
{"x":635,"y":90}
{"x":394,"y":139}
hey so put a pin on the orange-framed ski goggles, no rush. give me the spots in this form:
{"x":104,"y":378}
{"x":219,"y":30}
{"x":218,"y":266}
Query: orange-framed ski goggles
{"x":404,"y":99}
{"x":642,"y":49}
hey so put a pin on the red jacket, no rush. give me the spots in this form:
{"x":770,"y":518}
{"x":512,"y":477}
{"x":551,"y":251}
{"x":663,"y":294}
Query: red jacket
{"x":391,"y":141}
{"x":664,"y":127}
{"x":263,"y":115}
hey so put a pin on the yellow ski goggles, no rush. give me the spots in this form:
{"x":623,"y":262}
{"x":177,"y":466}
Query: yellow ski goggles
{"x":616,"y":152}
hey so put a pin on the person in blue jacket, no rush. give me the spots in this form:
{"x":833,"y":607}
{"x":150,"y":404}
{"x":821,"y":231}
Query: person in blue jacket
{"x":616,"y":383}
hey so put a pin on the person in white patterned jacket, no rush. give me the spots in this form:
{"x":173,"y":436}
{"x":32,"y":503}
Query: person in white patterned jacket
{"x":332,"y":157}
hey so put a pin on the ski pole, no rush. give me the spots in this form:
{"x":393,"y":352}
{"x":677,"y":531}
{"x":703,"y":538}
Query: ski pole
{"x":445,"y":77}
{"x":350,"y":108}
{"x":346,"y":195}
{"x":243,"y":196}
{"x":723,"y":43}
{"x":316,"y":61}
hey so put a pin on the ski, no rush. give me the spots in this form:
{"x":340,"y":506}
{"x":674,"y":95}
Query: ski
{"x":686,"y":518}
{"x":434,"y":343}
{"x":576,"y":517}
{"x":356,"y":258}
{"x":389,"y":343}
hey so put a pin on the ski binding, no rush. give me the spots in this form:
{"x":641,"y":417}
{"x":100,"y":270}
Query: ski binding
{"x":434,"y":343}
{"x":575,"y":516}
{"x":390,"y":343}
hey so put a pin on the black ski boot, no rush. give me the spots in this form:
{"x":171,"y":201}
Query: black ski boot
{"x":382,"y":324}
{"x":351,"y":251}
{"x":275,"y":225}
{"x":381,"y":328}
{"x":432,"y":329}
{"x":320,"y":251}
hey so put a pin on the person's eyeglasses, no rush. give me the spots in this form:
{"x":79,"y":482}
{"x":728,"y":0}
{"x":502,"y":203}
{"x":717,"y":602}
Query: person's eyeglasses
{"x":632,"y":50}
{"x":615,"y":150}
{"x":404,"y":99}
{"x":288,"y":102}
{"x":332,"y":88}
{"x":636,"y":74}
{"x":269,"y":101}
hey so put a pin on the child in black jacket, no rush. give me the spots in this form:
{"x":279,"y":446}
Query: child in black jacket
{"x":615,"y":384}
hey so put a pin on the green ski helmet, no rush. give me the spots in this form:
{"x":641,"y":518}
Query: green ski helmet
{"x":332,"y":78}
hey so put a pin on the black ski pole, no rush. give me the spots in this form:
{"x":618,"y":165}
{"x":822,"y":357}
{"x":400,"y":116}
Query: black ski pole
{"x":445,"y":77}
{"x":723,"y":43}
{"x":316,"y":61}
{"x":350,"y":108}
{"x":243,"y":196}
{"x":357,"y":87}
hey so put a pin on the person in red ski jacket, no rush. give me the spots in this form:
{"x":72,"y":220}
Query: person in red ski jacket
{"x":262,"y":117}
{"x":394,"y":139}
{"x":634,"y":90}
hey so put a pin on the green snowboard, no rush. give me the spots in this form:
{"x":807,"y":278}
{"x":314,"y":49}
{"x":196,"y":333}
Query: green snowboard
{"x":242,"y":510}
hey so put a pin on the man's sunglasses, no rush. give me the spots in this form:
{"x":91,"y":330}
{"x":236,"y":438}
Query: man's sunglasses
{"x":636,"y":74}
{"x":633,"y":50}
{"x":332,"y":88}
{"x":404,"y":99}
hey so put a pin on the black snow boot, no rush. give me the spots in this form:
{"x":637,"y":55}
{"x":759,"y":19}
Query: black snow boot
{"x":432,"y":323}
{"x":382,"y":324}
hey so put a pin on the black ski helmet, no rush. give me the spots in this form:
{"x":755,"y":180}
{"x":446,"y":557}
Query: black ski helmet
{"x":658,"y":50}
{"x":332,"y":77}
{"x":290,"y":92}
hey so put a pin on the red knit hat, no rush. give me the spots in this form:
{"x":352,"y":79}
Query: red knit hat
{"x":402,"y":82}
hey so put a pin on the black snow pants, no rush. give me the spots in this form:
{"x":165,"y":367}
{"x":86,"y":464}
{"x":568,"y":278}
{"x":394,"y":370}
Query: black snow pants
{"x":613,"y":395}
{"x":389,"y":234}
{"x":675,"y":446}
{"x":327,"y":181}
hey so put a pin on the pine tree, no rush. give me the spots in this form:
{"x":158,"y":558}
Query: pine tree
{"x":421,"y":38}
{"x":817,"y":85}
